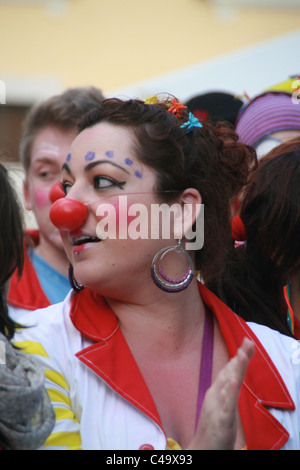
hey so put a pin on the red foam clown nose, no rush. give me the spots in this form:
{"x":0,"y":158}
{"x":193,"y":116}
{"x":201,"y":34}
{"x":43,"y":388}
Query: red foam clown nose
{"x":68,"y":214}
{"x":56,"y":192}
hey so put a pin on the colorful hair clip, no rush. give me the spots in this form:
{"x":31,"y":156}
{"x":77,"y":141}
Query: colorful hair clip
{"x":151,"y":100}
{"x":192,"y":122}
{"x":176,"y":108}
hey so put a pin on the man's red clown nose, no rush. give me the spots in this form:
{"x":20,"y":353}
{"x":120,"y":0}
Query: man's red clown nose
{"x":68,"y":214}
{"x":56,"y":192}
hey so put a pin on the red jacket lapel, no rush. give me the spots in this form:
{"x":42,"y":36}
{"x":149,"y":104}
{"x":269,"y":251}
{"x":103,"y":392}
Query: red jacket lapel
{"x":263,"y":385}
{"x":27,"y":292}
{"x":110,"y":357}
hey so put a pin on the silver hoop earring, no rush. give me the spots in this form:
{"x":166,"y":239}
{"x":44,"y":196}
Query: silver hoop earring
{"x":162,"y":280}
{"x":76,"y":286}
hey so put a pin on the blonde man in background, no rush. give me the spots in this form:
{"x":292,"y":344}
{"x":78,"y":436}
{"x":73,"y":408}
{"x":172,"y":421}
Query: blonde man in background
{"x":48,"y":131}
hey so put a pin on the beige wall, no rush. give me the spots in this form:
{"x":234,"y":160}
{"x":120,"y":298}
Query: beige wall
{"x":113,"y":43}
{"x":46,"y":46}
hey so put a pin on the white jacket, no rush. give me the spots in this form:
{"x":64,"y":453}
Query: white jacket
{"x":102,"y":402}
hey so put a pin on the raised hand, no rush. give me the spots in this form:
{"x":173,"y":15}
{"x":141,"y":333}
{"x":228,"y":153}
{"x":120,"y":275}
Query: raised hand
{"x":217,"y":428}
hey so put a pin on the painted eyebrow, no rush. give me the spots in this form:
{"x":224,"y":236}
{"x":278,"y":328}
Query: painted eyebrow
{"x":98,"y":162}
{"x":66,"y":167}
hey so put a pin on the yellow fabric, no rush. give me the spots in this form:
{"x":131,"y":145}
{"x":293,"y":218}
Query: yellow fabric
{"x":57,"y":378}
{"x":57,"y":396}
{"x":172,"y":445}
{"x":64,"y":413}
{"x":30,"y":347}
{"x":71,"y":440}
{"x":287,"y":85}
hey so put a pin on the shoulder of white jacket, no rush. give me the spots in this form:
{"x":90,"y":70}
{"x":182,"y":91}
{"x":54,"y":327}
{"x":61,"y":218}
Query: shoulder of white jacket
{"x":54,"y":314}
{"x":283,"y":350}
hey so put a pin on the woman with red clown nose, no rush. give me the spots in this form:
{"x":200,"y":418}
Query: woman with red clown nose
{"x":141,"y":355}
{"x":68,"y":214}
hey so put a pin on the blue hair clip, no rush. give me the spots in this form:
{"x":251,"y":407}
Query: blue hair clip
{"x":192,"y":122}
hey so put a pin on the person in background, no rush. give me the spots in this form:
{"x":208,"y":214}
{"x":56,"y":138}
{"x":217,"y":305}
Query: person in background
{"x":26,"y":413}
{"x":141,"y":355}
{"x":269,"y":118}
{"x":47,"y":134}
{"x":261,"y":280}
{"x":215,"y":106}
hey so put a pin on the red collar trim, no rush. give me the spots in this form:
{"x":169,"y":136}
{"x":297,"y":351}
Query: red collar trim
{"x":26,"y":292}
{"x":234,"y":330}
{"x":84,"y":319}
{"x":32,"y":237}
{"x":111,"y":359}
{"x":263,"y":385}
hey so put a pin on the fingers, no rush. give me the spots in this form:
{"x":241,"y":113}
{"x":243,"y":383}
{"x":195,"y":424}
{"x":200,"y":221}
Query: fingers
{"x":231,"y":380}
{"x":237,"y":366}
{"x":218,"y":421}
{"x":234,"y":371}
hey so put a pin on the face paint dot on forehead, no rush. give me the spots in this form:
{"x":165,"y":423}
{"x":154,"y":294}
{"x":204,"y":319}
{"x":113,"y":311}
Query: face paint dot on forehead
{"x":69,"y":156}
{"x":138,"y":174}
{"x":90,"y":156}
{"x":109,"y":153}
{"x":128,"y":161}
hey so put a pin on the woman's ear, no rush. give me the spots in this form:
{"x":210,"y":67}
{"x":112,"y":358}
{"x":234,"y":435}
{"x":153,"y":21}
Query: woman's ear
{"x":190,"y":202}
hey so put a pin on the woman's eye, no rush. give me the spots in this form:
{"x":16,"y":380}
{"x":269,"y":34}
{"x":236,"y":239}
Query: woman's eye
{"x":101,"y":182}
{"x":66,"y":187}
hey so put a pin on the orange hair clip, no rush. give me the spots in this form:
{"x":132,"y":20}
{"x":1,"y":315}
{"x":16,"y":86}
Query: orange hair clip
{"x":176,"y":108}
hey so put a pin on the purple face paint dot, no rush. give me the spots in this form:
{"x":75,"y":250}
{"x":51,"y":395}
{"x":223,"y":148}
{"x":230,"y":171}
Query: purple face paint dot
{"x":138,"y":174}
{"x":68,"y":157}
{"x":109,"y":153}
{"x":90,"y":156}
{"x":128,"y":161}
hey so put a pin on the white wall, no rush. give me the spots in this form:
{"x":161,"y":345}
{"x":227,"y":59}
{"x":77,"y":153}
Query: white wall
{"x":252,"y":70}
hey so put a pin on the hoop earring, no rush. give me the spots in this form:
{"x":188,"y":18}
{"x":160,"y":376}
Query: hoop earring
{"x":76,"y":286}
{"x":162,"y":280}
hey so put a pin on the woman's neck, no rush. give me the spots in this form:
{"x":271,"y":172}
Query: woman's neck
{"x":163,"y":325}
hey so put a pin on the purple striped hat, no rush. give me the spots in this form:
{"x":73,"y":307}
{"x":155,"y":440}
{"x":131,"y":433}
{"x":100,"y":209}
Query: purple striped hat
{"x":267,"y":113}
